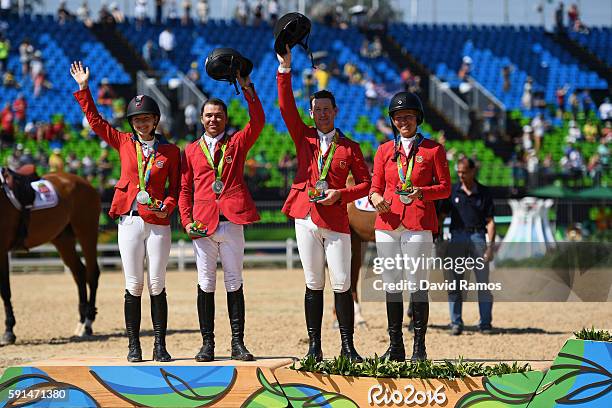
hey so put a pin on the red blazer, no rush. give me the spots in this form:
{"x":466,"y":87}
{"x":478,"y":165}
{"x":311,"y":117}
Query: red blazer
{"x":165,"y":169}
{"x":430,"y":174}
{"x":348,"y":157}
{"x":197,"y":200}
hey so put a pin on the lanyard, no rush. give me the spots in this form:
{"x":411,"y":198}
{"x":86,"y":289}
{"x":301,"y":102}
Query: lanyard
{"x":405,"y":178}
{"x":218,"y":170}
{"x":323,"y":170}
{"x":144,"y":175}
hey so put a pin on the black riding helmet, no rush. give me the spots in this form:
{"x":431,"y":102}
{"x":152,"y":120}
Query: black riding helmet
{"x":222,"y":64}
{"x":406,"y":100}
{"x":141,"y":104}
{"x":291,"y":29}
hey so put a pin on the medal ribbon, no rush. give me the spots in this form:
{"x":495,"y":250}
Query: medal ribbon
{"x":323,"y":170}
{"x":144,"y":175}
{"x":219,"y":169}
{"x":405,"y":178}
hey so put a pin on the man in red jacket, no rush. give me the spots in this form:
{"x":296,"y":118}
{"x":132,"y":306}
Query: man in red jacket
{"x":214,"y":204}
{"x":317,"y":201}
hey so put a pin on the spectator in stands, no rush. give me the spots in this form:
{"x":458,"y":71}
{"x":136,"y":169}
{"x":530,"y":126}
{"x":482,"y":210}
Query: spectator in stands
{"x":526,"y":98}
{"x":117,"y":13}
{"x":382,"y":125}
{"x":7,"y":130}
{"x":533,"y":166}
{"x":186,"y":18}
{"x":193,"y":73}
{"x":574,"y":105}
{"x":20,"y":107}
{"x":287,"y":165}
{"x":149,"y":52}
{"x":63,"y":15}
{"x":41,"y":158}
{"x":88,"y":167}
{"x":5,"y":47}
{"x":103,"y":165}
{"x":173,"y":14}
{"x":370,"y":93}
{"x":258,"y":13}
{"x":538,"y":125}
{"x":539,"y":102}
{"x":73,"y":163}
{"x":5,"y":8}
{"x":559,"y":26}
{"x":572,"y":15}
{"x":547,"y":172}
{"x":376,"y":48}
{"x":140,"y":12}
{"x":466,"y":68}
{"x":56,"y":163}
{"x":84,"y":14}
{"x":12,"y":161}
{"x":38,"y":74}
{"x":351,"y":73}
{"x":202,"y":10}
{"x":9,"y":81}
{"x":573,"y":163}
{"x":242,"y":12}
{"x":257,"y":170}
{"x":587,"y":102}
{"x":308,"y":81}
{"x":506,"y":71}
{"x":605,"y":110}
{"x":560,"y":94}
{"x":166,"y":43}
{"x":519,"y":172}
{"x":159,"y":7}
{"x":322,"y":76}
{"x":595,"y":169}
{"x":527,"y":138}
{"x":603,"y":152}
{"x":192,"y":118}
{"x":273,"y":10}
{"x":590,"y":131}
{"x":490,"y":116}
{"x":26,"y":52}
{"x":573,"y":133}
{"x":106,"y":18}
{"x":106,"y":95}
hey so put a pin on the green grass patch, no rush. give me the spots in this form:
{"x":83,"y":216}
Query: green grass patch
{"x":593,"y":334}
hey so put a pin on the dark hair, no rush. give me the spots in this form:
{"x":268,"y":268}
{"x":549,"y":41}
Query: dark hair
{"x":469,"y":162}
{"x":214,"y":101}
{"x":324,"y":94}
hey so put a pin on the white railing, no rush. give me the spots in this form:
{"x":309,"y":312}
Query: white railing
{"x":189,"y":93}
{"x":181,"y":255}
{"x":480,"y":98}
{"x":449,"y":104}
{"x":148,"y":86}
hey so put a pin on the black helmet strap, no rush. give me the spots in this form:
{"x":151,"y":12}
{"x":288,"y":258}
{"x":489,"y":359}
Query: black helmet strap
{"x":304,"y":45}
{"x":234,"y":80}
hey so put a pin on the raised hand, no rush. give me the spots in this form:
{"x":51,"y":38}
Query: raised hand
{"x":285,"y":60}
{"x":80,"y":75}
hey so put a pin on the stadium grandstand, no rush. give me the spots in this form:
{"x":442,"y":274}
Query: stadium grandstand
{"x":529,"y":103}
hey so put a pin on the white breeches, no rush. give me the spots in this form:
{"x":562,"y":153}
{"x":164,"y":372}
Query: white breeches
{"x":138,"y":239}
{"x":227,"y":242}
{"x":413,"y":247}
{"x":315,"y":244}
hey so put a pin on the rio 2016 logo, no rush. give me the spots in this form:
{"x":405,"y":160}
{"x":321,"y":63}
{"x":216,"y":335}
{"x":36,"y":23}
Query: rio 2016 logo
{"x":380,"y":395}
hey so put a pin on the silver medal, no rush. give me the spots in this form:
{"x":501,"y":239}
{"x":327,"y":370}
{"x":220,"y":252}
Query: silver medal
{"x":142,"y":197}
{"x":321,"y":185}
{"x":405,"y":199}
{"x":217,"y":186}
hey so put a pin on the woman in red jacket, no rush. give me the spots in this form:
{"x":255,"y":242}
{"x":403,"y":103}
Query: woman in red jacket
{"x":409,"y":174}
{"x":142,"y":205}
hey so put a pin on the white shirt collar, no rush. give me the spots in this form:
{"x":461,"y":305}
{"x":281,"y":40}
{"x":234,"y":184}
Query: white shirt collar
{"x":210,"y":139}
{"x":327,"y":135}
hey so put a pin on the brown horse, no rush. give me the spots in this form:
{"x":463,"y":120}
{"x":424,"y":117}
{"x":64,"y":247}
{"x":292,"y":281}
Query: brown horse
{"x":76,"y":217}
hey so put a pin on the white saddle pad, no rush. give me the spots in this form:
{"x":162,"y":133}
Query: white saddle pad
{"x":46,"y":196}
{"x":363,"y":204}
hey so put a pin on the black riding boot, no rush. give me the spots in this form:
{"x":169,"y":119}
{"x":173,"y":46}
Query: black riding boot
{"x":206,"y":315}
{"x":131,"y":309}
{"x":159,"y":315}
{"x":395,"y":311}
{"x":235,"y":308}
{"x":345,"y":311}
{"x":313,"y":307}
{"x":420,"y":312}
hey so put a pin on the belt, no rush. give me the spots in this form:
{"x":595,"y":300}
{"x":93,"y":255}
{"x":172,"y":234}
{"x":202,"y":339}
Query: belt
{"x":222,"y":218}
{"x":132,"y":213}
{"x":469,"y":229}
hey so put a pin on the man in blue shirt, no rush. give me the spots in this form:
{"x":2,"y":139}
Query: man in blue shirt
{"x":471,"y":210}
